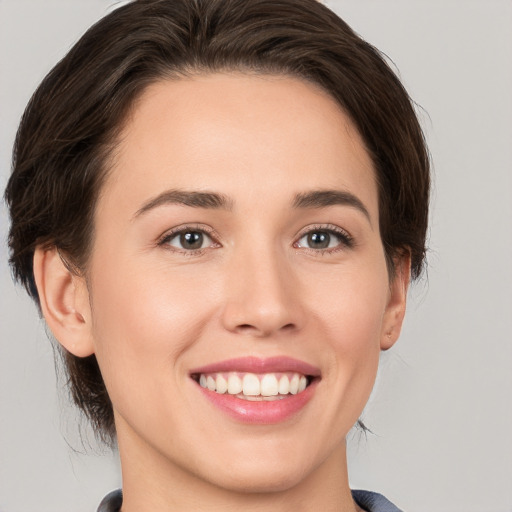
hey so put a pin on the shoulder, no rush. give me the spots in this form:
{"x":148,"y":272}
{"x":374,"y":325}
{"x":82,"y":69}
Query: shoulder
{"x":370,"y":501}
{"x":111,"y":502}
{"x":373,"y":502}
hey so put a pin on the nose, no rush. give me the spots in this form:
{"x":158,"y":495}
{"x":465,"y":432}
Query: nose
{"x":262,"y":295}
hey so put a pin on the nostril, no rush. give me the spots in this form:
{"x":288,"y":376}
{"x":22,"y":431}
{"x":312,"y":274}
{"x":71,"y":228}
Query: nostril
{"x":249,"y":328}
{"x":246,"y":328}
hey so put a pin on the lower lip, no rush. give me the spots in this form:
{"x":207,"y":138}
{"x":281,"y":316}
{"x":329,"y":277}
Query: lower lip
{"x":260,"y":412}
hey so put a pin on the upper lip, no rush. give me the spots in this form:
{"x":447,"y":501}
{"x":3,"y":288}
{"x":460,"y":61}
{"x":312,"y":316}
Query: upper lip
{"x":260,"y":365}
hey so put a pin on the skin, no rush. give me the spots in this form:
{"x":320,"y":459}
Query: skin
{"x":151,"y":310}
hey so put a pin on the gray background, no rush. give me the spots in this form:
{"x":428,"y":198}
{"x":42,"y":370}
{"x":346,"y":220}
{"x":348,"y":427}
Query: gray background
{"x":442,"y":410}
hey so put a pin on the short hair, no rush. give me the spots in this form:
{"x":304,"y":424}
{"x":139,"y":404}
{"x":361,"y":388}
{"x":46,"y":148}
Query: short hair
{"x":71,"y":124}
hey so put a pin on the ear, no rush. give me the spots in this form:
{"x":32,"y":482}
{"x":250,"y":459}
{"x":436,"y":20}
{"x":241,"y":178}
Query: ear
{"x":64,"y":302}
{"x":395,"y":309}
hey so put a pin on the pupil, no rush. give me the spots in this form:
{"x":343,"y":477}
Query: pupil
{"x":191,"y":240}
{"x":319,"y":240}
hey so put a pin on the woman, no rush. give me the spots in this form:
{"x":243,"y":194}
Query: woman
{"x":218,"y":206}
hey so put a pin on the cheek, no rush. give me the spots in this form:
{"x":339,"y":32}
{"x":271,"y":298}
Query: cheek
{"x":142,"y":322}
{"x":350,"y":308}
{"x":355,"y":332}
{"x":351,"y":303}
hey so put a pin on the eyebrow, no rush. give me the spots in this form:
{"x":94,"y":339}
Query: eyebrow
{"x":194,"y":199}
{"x":324,"y":198}
{"x":214,"y":200}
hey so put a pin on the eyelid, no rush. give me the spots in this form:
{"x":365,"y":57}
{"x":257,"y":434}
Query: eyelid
{"x":346,"y":239}
{"x":183,"y":228}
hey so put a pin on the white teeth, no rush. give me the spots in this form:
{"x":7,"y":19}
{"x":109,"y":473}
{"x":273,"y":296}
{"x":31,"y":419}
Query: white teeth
{"x":210,"y":383}
{"x":294,"y":384}
{"x":222,"y":384}
{"x":260,"y":398}
{"x":234,"y":384}
{"x":269,"y":386}
{"x":251,"y":385}
{"x":284,"y":385}
{"x":257,"y":387}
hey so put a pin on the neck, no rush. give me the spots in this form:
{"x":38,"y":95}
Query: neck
{"x":153,"y":482}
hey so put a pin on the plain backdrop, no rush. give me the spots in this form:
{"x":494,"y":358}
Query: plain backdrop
{"x":441,"y":413}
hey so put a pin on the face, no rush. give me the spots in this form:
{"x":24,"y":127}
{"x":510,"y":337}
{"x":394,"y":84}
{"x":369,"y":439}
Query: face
{"x":237,"y":258}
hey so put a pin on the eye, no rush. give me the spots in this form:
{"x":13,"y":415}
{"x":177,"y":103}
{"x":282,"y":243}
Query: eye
{"x":323,"y":238}
{"x":188,"y":240}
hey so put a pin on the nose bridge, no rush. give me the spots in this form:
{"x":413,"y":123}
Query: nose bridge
{"x":260,"y":291}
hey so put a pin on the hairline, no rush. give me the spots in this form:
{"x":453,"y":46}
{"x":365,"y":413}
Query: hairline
{"x":108,"y":150}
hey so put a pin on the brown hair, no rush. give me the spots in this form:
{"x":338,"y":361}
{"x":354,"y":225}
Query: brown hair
{"x":70,"y":125}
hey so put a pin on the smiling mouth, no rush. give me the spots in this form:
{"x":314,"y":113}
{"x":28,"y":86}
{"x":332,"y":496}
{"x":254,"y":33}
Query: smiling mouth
{"x":254,"y":386}
{"x":258,"y":391}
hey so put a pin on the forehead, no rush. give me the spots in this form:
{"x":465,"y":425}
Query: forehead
{"x":264,"y":135}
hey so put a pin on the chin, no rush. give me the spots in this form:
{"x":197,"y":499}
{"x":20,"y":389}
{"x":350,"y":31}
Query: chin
{"x":267,"y":478}
{"x":258,"y":472}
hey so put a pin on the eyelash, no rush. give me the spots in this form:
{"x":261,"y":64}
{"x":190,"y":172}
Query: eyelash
{"x":165,"y":240}
{"x":346,"y":241}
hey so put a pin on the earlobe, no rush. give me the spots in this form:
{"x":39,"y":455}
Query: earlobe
{"x":395,"y":310}
{"x":64,"y":302}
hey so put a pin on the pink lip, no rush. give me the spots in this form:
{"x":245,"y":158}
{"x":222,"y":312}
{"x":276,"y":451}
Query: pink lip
{"x":261,"y":412}
{"x":257,"y":365}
